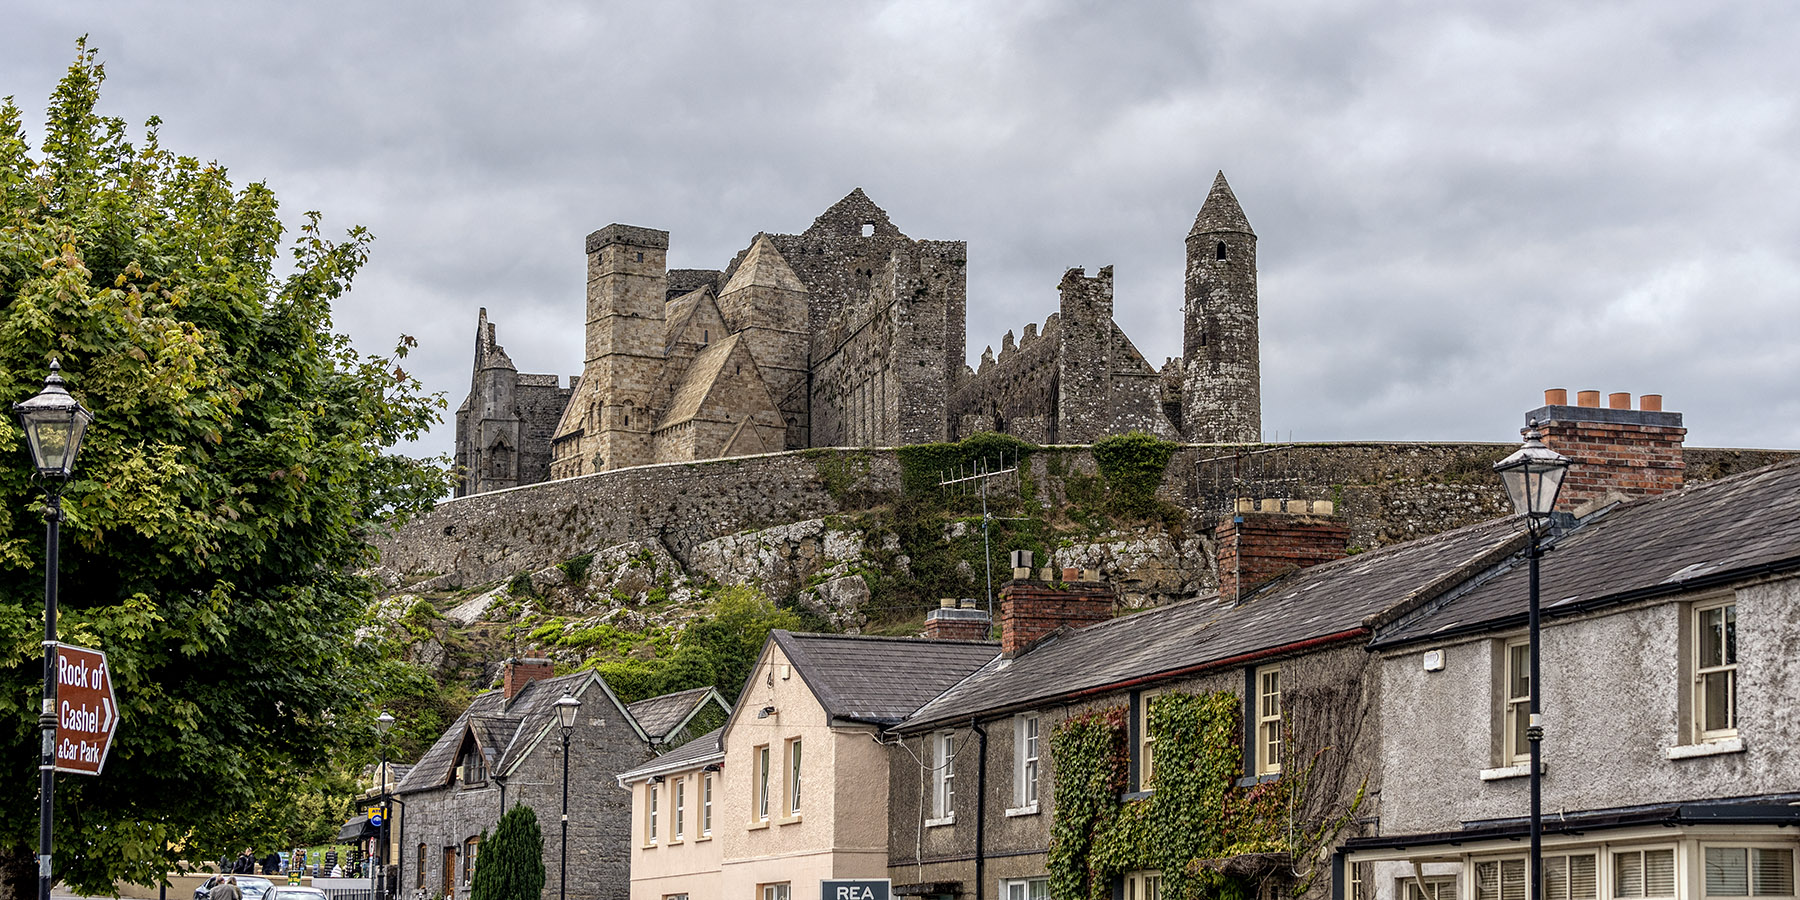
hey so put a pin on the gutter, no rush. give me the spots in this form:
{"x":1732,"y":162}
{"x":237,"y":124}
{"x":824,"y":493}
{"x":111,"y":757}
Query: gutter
{"x":980,"y":807}
{"x":1314,"y":643}
{"x":1648,"y":592}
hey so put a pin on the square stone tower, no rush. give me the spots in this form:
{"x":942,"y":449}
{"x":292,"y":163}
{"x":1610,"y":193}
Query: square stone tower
{"x":608,"y":423}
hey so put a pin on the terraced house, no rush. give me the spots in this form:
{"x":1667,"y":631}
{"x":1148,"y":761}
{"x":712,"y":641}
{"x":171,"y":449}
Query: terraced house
{"x":507,"y":749}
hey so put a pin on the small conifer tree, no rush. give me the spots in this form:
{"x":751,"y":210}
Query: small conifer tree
{"x":511,"y":864}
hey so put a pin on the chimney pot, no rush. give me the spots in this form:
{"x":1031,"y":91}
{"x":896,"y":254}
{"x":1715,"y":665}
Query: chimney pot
{"x":968,"y":603}
{"x":947,"y":603}
{"x":1556,"y":397}
{"x":1650,"y":403}
{"x":1047,"y":573}
{"x":1071,"y":573}
{"x":1619,"y":400}
{"x":1588,"y":398}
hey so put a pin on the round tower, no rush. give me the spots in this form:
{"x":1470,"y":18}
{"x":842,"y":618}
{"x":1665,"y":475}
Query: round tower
{"x":1221,"y":396}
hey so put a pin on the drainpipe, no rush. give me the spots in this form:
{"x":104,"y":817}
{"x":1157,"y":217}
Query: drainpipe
{"x":980,"y":808}
{"x":399,"y":853}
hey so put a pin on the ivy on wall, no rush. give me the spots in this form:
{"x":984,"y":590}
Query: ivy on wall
{"x":922,"y":466}
{"x":1197,"y":812}
{"x":1132,"y":466}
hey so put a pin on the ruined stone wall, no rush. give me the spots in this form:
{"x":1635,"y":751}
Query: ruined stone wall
{"x":541,"y":403}
{"x":1015,"y":392}
{"x":1386,"y":492}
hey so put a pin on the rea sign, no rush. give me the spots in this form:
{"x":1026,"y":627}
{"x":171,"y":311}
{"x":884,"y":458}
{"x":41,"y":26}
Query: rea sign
{"x":87,"y":714}
{"x":855,"y":889}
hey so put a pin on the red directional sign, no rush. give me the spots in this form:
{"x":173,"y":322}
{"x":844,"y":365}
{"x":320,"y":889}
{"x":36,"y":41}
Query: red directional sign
{"x":86,"y":713}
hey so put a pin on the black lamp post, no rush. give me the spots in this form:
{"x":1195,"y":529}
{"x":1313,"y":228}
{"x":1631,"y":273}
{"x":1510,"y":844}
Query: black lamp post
{"x":566,"y":708}
{"x":54,"y":424}
{"x":383,"y":722}
{"x":1533,"y":477}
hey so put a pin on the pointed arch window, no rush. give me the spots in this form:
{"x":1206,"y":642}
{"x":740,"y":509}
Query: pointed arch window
{"x":1219,"y":251}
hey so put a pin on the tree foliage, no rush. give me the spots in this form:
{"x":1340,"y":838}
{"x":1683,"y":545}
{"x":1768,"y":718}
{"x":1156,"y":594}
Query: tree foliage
{"x":718,"y":649}
{"x":222,"y":498}
{"x":511,"y":864}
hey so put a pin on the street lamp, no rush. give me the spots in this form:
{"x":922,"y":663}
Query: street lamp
{"x":383,"y":722}
{"x":54,"y":425}
{"x":1533,"y":477}
{"x":566,"y":708}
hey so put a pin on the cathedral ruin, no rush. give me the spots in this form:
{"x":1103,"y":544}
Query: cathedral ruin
{"x":852,"y":334}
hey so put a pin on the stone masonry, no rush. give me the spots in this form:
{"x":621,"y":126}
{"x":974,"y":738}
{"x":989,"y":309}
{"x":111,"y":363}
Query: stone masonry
{"x":852,"y":334}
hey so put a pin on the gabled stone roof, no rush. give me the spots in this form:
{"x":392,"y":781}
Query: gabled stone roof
{"x":763,"y":266}
{"x":700,"y":378}
{"x":704,"y":749}
{"x":661,"y":716}
{"x":879,"y":680}
{"x":1710,"y":534}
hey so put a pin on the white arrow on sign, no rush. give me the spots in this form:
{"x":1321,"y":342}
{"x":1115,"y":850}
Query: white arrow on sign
{"x":106,"y":715}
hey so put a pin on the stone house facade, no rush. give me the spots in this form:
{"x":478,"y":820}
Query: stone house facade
{"x":1668,"y":709}
{"x":851,"y":333}
{"x":506,"y":749}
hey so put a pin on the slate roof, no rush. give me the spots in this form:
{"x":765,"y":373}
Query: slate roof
{"x":504,"y":732}
{"x":659,"y":716}
{"x":709,"y":747}
{"x":878,"y":679}
{"x":1335,"y":600}
{"x":1712,"y":533}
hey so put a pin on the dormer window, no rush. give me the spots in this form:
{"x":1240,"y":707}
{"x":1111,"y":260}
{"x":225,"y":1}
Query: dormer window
{"x":471,"y":769}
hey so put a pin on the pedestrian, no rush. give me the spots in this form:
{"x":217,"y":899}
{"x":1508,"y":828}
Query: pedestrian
{"x":246,"y":863}
{"x":227,"y":891}
{"x":272,"y":863}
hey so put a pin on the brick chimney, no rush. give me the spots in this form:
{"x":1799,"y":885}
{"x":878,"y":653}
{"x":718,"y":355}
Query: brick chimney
{"x":520,"y":672}
{"x":1030,"y":608}
{"x":953,"y":621}
{"x":1616,"y":449}
{"x":1267,"y":539}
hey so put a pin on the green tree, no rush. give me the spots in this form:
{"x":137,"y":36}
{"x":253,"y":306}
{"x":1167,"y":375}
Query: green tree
{"x":511,"y":865}
{"x":717,"y":649}
{"x":223,"y":497}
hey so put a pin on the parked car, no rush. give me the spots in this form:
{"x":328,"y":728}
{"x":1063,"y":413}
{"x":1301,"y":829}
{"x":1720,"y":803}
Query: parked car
{"x":253,"y":886}
{"x":294,"y":892}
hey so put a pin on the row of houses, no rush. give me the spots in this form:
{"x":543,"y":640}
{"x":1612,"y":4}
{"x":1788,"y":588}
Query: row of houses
{"x":1328,"y":724}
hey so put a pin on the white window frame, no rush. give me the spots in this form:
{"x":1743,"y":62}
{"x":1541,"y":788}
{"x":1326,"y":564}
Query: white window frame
{"x":1726,"y":669}
{"x":1146,"y":744}
{"x":762,"y":783}
{"x":1025,"y":888}
{"x":1027,"y":744}
{"x":1551,"y":859}
{"x":781,"y":890}
{"x":793,"y":757}
{"x":1268,"y":721}
{"x":1642,"y":852}
{"x":943,"y":778}
{"x":1427,"y":887}
{"x":706,"y":806}
{"x":1515,"y":708}
{"x":1750,"y":848}
{"x":651,"y":789}
{"x":1144,"y":884}
{"x":1502,"y":866}
{"x":680,"y":808}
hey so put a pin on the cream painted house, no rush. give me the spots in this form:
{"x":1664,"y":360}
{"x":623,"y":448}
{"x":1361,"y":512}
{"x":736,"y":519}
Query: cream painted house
{"x":800,"y":787}
{"x":675,"y":821}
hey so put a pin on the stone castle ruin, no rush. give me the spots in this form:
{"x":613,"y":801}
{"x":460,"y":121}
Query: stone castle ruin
{"x":852,"y":334}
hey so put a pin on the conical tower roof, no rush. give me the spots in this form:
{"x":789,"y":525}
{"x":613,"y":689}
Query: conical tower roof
{"x":763,"y":266}
{"x":1221,"y":211}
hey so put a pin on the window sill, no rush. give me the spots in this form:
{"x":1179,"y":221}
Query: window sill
{"x":947,"y":820}
{"x":1708,"y":748}
{"x":1030,"y":809}
{"x":757,"y":825}
{"x":1254,"y":780}
{"x":676,"y":842}
{"x":789,"y":820}
{"x":1502,"y":773}
{"x":703,"y":838}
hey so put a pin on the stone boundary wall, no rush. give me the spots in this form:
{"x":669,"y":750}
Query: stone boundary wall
{"x":1386,"y":492}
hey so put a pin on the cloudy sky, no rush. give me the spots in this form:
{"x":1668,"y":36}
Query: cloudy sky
{"x":1458,"y":205}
